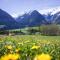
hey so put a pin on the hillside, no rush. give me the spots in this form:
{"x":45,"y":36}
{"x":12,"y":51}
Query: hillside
{"x":7,"y":20}
{"x":33,"y":18}
{"x":29,"y":19}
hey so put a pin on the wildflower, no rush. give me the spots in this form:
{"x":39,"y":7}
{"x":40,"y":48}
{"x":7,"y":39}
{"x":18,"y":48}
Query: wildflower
{"x":10,"y":57}
{"x":35,"y":47}
{"x":43,"y":57}
{"x":11,"y":51}
{"x":9,"y":47}
{"x":17,"y":50}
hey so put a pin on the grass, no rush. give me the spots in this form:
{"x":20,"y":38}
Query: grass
{"x":28,"y":46}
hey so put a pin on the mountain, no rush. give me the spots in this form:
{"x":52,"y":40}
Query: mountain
{"x":48,"y":18}
{"x":7,"y":20}
{"x":56,"y":18}
{"x":53,"y":18}
{"x":33,"y":18}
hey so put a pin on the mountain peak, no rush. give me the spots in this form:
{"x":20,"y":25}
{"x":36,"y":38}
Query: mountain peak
{"x":7,"y":20}
{"x":35,"y":12}
{"x":1,"y":10}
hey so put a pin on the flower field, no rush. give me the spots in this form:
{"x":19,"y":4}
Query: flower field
{"x":30,"y":47}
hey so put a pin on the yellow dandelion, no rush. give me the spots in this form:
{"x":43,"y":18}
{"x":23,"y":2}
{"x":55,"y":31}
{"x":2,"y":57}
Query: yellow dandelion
{"x":35,"y":47}
{"x":9,"y":47}
{"x":17,"y":50}
{"x":11,"y":51}
{"x":43,"y":57}
{"x":10,"y":57}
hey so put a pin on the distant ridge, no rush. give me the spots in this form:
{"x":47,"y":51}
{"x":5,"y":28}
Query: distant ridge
{"x":30,"y":19}
{"x":7,"y":20}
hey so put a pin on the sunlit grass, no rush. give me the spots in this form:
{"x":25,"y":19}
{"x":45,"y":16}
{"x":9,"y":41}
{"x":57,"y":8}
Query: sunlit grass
{"x":29,"y":46}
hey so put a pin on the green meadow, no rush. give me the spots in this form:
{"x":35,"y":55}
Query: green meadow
{"x":29,"y":46}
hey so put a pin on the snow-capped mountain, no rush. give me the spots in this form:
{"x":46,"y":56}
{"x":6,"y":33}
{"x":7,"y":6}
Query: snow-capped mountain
{"x":53,"y":10}
{"x":31,"y":19}
{"x":56,"y":18}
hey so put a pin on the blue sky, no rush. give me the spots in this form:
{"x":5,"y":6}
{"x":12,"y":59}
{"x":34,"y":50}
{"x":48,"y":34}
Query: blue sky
{"x":17,"y":7}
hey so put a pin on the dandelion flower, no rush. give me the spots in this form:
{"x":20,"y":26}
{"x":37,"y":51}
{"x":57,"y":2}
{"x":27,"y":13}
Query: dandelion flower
{"x":43,"y":57}
{"x":17,"y":50}
{"x":35,"y":47}
{"x":10,"y":57}
{"x":9,"y":47}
